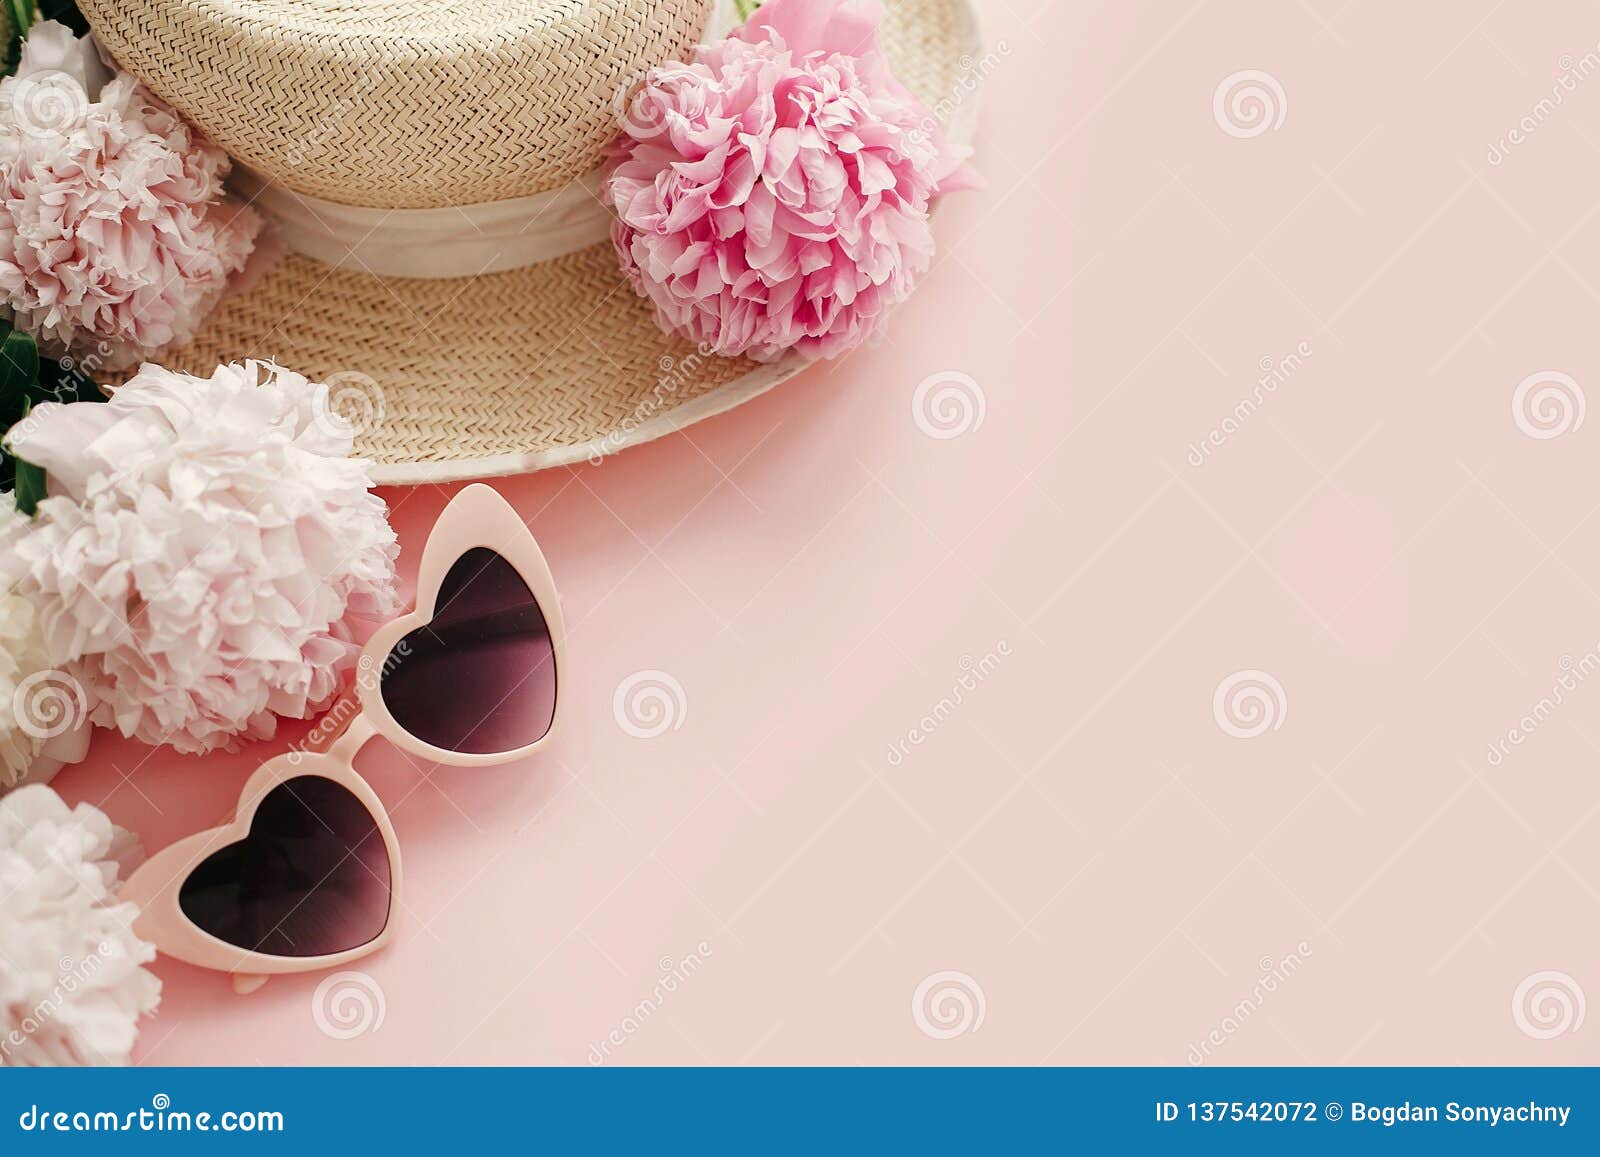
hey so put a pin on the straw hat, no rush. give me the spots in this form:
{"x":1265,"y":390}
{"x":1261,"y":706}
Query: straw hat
{"x":354,"y":119}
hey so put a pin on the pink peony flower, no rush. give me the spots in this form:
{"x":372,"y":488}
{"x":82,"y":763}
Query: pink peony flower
{"x":203,"y":547}
{"x":115,"y":236}
{"x":773,"y":193}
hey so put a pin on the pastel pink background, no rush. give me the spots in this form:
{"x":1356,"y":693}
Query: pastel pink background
{"x":1079,"y":837}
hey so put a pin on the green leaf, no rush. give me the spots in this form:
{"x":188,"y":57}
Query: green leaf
{"x":19,"y":373}
{"x":24,"y":383}
{"x":22,"y":14}
{"x":19,"y":17}
{"x":28,"y":481}
{"x":30,"y":486}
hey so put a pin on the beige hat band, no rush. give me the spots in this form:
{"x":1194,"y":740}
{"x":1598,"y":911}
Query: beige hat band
{"x":453,"y":240}
{"x":459,"y":241}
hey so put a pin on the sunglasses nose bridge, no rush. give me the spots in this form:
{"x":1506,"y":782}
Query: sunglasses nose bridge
{"x":352,"y":739}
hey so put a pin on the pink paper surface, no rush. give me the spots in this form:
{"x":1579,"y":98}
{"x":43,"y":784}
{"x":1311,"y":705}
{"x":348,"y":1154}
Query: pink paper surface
{"x":1042,"y":742}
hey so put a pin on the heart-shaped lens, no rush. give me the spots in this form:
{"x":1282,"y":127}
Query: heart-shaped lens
{"x":481,"y":677}
{"x":311,"y":878}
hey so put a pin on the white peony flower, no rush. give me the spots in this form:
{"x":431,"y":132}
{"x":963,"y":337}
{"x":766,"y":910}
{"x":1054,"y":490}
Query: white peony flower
{"x":203,"y":542}
{"x":72,"y":981}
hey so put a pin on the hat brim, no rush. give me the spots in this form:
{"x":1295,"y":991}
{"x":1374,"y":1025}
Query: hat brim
{"x":548,"y":365}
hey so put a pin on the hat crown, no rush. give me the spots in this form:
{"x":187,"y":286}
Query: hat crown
{"x":401,"y":103}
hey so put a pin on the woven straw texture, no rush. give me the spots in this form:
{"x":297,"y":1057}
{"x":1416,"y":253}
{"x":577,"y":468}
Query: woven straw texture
{"x":400,"y":103}
{"x":507,"y":372}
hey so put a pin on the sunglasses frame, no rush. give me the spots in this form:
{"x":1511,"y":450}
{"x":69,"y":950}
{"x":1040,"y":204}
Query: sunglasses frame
{"x":476,"y":517}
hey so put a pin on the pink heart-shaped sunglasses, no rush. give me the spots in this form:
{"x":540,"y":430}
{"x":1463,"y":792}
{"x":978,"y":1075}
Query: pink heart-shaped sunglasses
{"x":307,"y":875}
